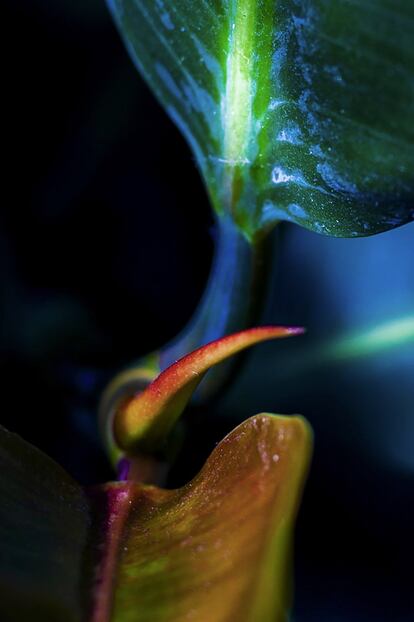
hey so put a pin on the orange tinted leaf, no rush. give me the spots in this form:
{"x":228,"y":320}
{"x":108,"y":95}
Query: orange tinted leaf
{"x":216,"y":549}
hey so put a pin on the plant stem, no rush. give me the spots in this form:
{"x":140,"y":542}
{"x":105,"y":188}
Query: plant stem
{"x":233,"y":299}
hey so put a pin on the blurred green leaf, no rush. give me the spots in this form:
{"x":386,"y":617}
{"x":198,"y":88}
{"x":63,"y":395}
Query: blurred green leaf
{"x":44,"y":523}
{"x":217,"y":549}
{"x":296,"y":110}
{"x":393,"y":334}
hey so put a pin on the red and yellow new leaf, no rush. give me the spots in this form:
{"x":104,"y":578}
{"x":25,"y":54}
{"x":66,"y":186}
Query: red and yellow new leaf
{"x":144,"y":421}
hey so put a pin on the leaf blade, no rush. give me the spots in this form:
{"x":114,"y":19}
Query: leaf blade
{"x":218,"y":548}
{"x":44,"y":527}
{"x":144,"y":421}
{"x":299,"y":111}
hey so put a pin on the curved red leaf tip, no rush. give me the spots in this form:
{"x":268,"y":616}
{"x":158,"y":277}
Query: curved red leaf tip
{"x":145,"y":420}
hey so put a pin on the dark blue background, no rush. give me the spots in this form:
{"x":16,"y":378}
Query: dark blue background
{"x":106,"y":241}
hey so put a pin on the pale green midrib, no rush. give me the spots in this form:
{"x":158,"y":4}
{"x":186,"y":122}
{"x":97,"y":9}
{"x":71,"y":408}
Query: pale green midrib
{"x":237,"y":107}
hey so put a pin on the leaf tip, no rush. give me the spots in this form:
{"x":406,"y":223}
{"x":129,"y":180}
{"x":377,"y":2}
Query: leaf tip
{"x":296,"y":330}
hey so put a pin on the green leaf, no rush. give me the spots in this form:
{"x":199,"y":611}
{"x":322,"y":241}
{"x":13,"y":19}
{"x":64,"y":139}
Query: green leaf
{"x":220,"y":547}
{"x":44,"y":524}
{"x":217,"y":549}
{"x":296,"y":110}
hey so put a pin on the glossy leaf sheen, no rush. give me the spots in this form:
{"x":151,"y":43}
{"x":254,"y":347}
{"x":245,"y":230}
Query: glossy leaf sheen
{"x":296,"y":110}
{"x":144,"y":421}
{"x":218,"y":548}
